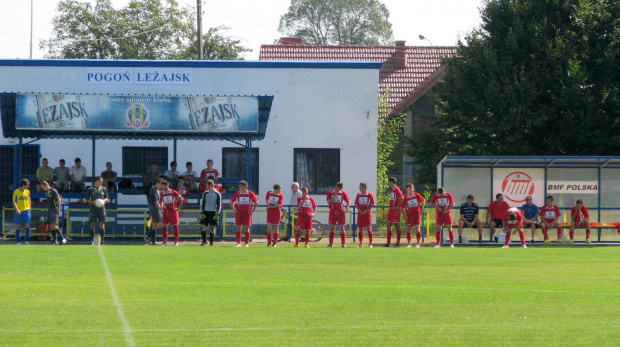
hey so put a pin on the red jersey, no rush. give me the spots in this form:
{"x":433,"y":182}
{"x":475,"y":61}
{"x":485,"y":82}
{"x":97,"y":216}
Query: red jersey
{"x":579,"y":214}
{"x":395,"y":194}
{"x":306,"y":205}
{"x":363,"y":201}
{"x":339,"y":199}
{"x":512,"y":224}
{"x":550,"y":213}
{"x":497,"y":210}
{"x":243,"y":201}
{"x":274,"y":199}
{"x":184,"y":191}
{"x":413,"y":204}
{"x":206,"y":173}
{"x":170,"y":200}
{"x":442,"y":201}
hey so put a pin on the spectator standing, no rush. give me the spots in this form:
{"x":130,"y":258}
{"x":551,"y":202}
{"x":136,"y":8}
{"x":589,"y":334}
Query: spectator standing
{"x":109,"y":178}
{"x":495,"y":213}
{"x":77,"y":176}
{"x":470,"y":213}
{"x":530,"y":213}
{"x":190,"y":176}
{"x":173,"y":174}
{"x":208,"y":174}
{"x":62,"y":174}
{"x":150,"y":176}
{"x":44,"y":174}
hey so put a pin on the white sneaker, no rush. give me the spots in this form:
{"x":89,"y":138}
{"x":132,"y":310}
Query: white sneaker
{"x":370,"y":246}
{"x":274,"y":246}
{"x":360,"y":246}
{"x":451,"y":246}
{"x":19,"y":243}
{"x":417,"y":246}
{"x":26,"y":243}
{"x":438,"y":246}
{"x":246,"y":245}
{"x":344,"y":246}
{"x":176,"y":244}
{"x":505,"y":246}
{"x":238,"y":245}
{"x":409,"y":246}
{"x":64,"y":241}
{"x":524,"y":246}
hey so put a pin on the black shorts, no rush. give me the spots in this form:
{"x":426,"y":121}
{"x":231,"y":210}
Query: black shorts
{"x":498,"y":223}
{"x":52,"y":218}
{"x":209,"y":218}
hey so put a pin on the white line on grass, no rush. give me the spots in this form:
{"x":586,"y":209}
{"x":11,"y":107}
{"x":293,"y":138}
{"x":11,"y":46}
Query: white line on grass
{"x":119,"y":307}
{"x":358,"y":327}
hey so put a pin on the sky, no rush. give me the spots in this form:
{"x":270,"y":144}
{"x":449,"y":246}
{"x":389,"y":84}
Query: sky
{"x":253,"y":22}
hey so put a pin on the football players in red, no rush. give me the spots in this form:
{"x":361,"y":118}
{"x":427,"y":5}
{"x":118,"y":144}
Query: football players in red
{"x":513,"y":222}
{"x":550,"y":215}
{"x":171,"y":202}
{"x":364,"y":202}
{"x":307,"y":208}
{"x":443,"y":201}
{"x":275,"y":200}
{"x":244,"y":203}
{"x":413,"y":205}
{"x":579,"y":218}
{"x":393,"y":216}
{"x":339,"y":202}
{"x":496,"y":212}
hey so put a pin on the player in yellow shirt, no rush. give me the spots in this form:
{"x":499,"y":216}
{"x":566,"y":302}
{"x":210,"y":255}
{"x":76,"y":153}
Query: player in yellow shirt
{"x":21,"y":203}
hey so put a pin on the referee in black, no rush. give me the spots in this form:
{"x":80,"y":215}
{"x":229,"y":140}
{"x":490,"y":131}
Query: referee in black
{"x":211,"y":206}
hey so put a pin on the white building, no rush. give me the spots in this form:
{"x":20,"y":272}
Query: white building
{"x":322,"y":125}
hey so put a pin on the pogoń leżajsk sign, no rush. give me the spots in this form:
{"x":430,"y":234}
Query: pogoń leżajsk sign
{"x":201,"y":114}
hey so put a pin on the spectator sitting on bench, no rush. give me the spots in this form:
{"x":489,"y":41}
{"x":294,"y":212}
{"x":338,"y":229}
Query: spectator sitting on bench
{"x":530,"y":215}
{"x":62,"y":174}
{"x":172,"y":175}
{"x":470,"y":213}
{"x":44,"y":174}
{"x":190,"y":176}
{"x":109,"y":178}
{"x":77,"y":176}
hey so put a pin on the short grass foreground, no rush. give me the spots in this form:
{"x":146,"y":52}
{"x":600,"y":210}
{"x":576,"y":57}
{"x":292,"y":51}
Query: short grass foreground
{"x":126,"y":295}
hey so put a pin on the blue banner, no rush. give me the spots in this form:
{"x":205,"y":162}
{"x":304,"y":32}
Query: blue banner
{"x":206,"y":114}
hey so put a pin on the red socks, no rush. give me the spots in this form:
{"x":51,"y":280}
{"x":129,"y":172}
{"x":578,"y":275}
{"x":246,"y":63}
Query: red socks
{"x":175,"y":229}
{"x":238,"y":237}
{"x":307,"y":238}
{"x":297,"y":237}
{"x":343,"y":238}
{"x":360,"y":235}
{"x":409,"y":237}
{"x":507,"y":242}
{"x":587,"y":234}
{"x":559,"y":233}
{"x":165,"y":234}
{"x":572,"y":234}
{"x":418,"y":236}
{"x":451,"y":237}
{"x":389,"y":236}
{"x":522,"y":236}
{"x":268,"y":238}
{"x":398,"y":233}
{"x":438,"y":236}
{"x":370,"y":235}
{"x":545,"y":234}
{"x":332,"y":234}
{"x":247,"y":237}
{"x":274,"y":238}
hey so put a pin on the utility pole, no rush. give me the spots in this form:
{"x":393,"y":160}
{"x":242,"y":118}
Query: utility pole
{"x":199,"y":26}
{"x":31,"y":24}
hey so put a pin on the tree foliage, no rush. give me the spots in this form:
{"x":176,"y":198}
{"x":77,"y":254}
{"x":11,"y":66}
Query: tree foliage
{"x":539,"y":77}
{"x":389,"y":135}
{"x":364,"y":22}
{"x":144,"y":29}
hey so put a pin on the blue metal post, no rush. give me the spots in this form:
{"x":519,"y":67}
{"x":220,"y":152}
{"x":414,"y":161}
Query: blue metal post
{"x":248,"y":162}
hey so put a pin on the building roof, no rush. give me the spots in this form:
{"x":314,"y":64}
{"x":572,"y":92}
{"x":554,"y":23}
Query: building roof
{"x":404,"y":68}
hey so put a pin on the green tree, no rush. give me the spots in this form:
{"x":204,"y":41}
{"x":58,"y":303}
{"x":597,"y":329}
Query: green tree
{"x":144,"y":29}
{"x":539,"y":77}
{"x":338,"y":22}
{"x":389,"y":136}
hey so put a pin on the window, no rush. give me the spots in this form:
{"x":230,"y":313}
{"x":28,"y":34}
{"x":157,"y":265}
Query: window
{"x":233,"y":165}
{"x":30,"y":163}
{"x":137,"y":161}
{"x":317,"y":169}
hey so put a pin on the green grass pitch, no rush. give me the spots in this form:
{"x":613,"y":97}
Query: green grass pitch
{"x":222,"y":296}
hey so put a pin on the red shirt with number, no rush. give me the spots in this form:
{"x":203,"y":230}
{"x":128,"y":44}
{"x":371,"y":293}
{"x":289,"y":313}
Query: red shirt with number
{"x":274,"y":214}
{"x":243,"y":201}
{"x":204,"y":176}
{"x":581,"y":213}
{"x":306,"y":205}
{"x":413,"y":204}
{"x":364,"y":201}
{"x":549,"y":214}
{"x":170,"y":200}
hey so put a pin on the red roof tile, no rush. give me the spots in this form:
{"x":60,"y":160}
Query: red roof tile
{"x":401,"y":82}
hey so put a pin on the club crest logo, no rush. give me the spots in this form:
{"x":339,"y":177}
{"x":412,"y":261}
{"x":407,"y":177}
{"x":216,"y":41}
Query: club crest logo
{"x":137,"y":116}
{"x":516,"y":186}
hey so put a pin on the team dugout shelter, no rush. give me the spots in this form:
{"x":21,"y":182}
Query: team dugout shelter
{"x":265,"y":121}
{"x":595,"y":180}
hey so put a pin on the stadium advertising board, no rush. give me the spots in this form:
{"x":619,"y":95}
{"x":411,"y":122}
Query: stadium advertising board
{"x":200,"y":114}
{"x":517,"y":183}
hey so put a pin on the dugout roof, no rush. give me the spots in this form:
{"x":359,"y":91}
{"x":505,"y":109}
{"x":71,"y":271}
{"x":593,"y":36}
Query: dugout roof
{"x":572,"y":162}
